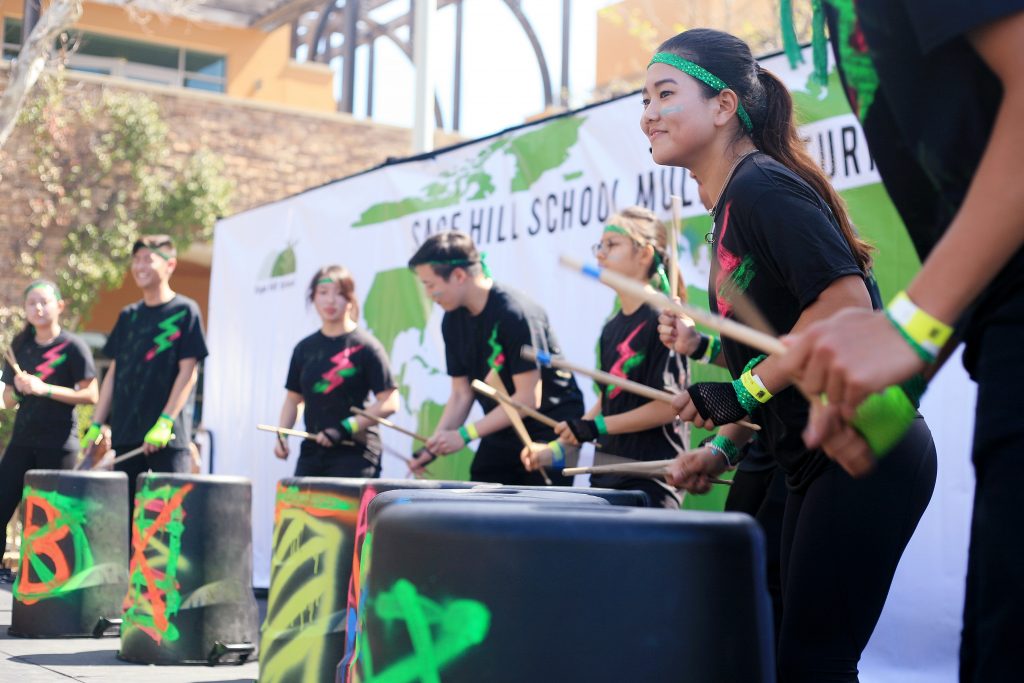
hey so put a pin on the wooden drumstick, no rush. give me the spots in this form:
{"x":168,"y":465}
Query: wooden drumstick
{"x":673,"y":246}
{"x":530,"y":353}
{"x":493,"y":382}
{"x":724,"y":326}
{"x":491,"y":393}
{"x":388,"y":423}
{"x":9,"y":355}
{"x":650,"y":469}
{"x":287,"y":431}
{"x":130,"y":454}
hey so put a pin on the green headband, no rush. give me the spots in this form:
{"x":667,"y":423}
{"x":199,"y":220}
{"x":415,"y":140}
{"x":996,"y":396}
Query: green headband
{"x":463,"y":262}
{"x":659,"y":271}
{"x":611,"y":227}
{"x":325,"y":281}
{"x":704,"y":76}
{"x":48,"y":285}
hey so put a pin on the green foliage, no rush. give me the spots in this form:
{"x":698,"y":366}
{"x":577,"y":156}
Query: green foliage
{"x":105,"y":163}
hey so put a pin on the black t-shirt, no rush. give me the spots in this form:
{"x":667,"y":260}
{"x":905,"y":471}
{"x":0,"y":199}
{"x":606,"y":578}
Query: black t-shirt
{"x":147,"y":343}
{"x":493,"y":339}
{"x":630,"y":348}
{"x":42,"y":422}
{"x":335,"y":374}
{"x":775,"y":242}
{"x":929,"y":119}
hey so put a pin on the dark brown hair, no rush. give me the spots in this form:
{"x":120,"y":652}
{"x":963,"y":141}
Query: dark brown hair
{"x":770,"y":107}
{"x":345,"y":282}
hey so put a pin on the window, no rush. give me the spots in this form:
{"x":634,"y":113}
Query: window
{"x":133,"y":59}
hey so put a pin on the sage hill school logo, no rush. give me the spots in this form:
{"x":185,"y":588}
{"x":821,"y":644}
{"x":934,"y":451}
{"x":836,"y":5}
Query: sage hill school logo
{"x":278,"y":269}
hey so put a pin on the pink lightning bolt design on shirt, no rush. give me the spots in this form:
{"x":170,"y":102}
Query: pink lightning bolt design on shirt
{"x":629,"y":358}
{"x":342,"y":369}
{"x":54,"y":358}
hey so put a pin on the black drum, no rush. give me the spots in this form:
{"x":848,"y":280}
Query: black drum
{"x":74,"y":554}
{"x":511,"y":593}
{"x":190,"y":596}
{"x":628,"y":498}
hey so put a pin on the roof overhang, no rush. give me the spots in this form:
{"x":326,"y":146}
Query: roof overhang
{"x":265,"y":15}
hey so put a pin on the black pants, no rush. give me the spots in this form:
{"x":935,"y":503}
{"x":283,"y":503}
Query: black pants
{"x":18,"y":460}
{"x":994,"y":601}
{"x":328,"y":464}
{"x":762,"y":495}
{"x":841,"y":542}
{"x":166,"y":460}
{"x":497,"y":461}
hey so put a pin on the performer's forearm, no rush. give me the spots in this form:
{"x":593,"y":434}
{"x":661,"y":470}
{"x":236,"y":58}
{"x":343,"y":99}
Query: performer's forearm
{"x":102,"y":410}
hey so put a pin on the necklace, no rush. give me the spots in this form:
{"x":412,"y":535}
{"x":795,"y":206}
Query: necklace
{"x":714,"y":207}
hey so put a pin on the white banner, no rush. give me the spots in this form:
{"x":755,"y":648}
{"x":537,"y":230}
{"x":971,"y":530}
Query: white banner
{"x":526,"y":196}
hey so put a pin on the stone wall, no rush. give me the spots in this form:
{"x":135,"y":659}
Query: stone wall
{"x":270,"y":152}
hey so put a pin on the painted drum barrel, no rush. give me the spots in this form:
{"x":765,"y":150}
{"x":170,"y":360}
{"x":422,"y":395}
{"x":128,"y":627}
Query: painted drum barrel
{"x":513,"y":593}
{"x":491,"y":494}
{"x":627,"y":498}
{"x":303,"y":636}
{"x":74,"y":553}
{"x":371,"y":489}
{"x":190,"y":593}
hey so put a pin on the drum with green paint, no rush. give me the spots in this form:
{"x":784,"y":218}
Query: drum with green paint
{"x":73,"y":572}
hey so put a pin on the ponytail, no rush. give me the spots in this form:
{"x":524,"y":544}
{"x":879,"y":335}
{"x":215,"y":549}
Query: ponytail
{"x":776,"y":135}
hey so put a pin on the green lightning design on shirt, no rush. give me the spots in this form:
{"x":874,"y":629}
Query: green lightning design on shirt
{"x":165,"y":339}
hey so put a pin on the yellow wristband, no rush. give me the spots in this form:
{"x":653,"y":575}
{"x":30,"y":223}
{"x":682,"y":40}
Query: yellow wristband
{"x":753,"y":384}
{"x":471,"y":430}
{"x":925,"y":329}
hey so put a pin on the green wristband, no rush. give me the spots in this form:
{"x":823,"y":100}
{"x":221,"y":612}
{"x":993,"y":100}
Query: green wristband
{"x":882,"y":419}
{"x":602,"y":428}
{"x":350,"y":425}
{"x":724,"y":446}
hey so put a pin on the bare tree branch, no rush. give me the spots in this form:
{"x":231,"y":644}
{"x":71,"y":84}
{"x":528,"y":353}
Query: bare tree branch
{"x":60,"y":16}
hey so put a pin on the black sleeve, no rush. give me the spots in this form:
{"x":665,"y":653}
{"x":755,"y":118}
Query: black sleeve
{"x":82,"y":365}
{"x":454,"y":354}
{"x":518,"y":329}
{"x":938,"y":21}
{"x":794,"y":238}
{"x":378,"y":370}
{"x":193,"y":343}
{"x":113,"y":345}
{"x":294,"y":380}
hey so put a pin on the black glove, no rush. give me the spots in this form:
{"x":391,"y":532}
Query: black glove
{"x":583,"y":430}
{"x":418,"y":454}
{"x":716,"y":401}
{"x":333,"y":435}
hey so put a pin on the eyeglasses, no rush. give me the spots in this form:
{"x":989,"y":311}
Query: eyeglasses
{"x":605,"y":246}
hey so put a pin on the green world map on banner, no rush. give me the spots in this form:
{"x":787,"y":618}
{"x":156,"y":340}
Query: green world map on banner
{"x":396,"y":303}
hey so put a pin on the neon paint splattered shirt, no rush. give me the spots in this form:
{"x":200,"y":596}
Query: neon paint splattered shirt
{"x":929,"y":120}
{"x":147,"y":343}
{"x":474,"y":345}
{"x":630,"y":348}
{"x":333,"y":374}
{"x":64,"y":362}
{"x":775,"y":243}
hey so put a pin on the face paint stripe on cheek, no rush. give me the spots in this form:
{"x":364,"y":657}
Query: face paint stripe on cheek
{"x":674,"y":109}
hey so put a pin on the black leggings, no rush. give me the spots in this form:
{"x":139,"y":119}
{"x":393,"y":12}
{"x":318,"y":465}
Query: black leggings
{"x":841,"y":542}
{"x":994,"y":602}
{"x":16,"y":462}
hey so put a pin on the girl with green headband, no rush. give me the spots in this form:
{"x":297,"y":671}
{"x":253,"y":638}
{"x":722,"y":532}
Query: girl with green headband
{"x":335,"y":369}
{"x":54,"y":373}
{"x":783,"y":245}
{"x":624,"y":424}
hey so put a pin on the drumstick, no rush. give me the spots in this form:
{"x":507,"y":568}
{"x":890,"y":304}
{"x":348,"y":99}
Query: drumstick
{"x":673,"y":246}
{"x":9,"y":355}
{"x":490,"y":392}
{"x":724,"y":326}
{"x":389,"y":423}
{"x":131,"y":454}
{"x":493,"y":382}
{"x":652,"y":470}
{"x":530,"y":353}
{"x":285,"y":430}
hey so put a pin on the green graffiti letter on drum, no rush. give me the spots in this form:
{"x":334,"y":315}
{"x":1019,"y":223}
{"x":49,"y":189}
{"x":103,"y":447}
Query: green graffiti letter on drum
{"x":154,"y":594}
{"x":46,"y":569}
{"x":460,"y":625}
{"x":300,"y":617}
